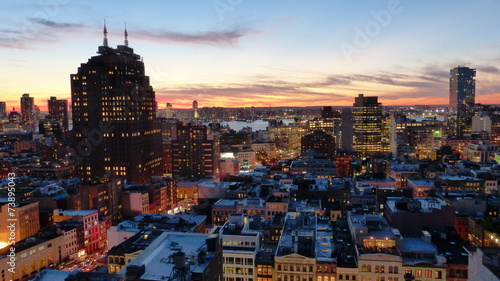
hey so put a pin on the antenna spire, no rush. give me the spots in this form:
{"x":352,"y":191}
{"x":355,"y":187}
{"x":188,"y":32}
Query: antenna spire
{"x":105,"y":32}
{"x":126,"y":35}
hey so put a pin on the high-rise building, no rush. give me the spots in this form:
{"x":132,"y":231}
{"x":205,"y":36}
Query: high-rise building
{"x":27,"y":112}
{"x":367,"y":113}
{"x":329,"y":122}
{"x":196,"y":115}
{"x":3,"y":109}
{"x":462,"y":100}
{"x":14,"y":117}
{"x":103,"y":195}
{"x":169,"y":112}
{"x":327,"y":112}
{"x":114,"y":124}
{"x":346,"y":129}
{"x":50,"y":127}
{"x":194,"y":151}
{"x":320,"y":142}
{"x":58,"y":111}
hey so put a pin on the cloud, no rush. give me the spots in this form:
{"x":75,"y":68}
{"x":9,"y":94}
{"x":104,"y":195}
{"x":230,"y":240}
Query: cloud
{"x":10,"y":42}
{"x":9,"y":31}
{"x":488,"y":69}
{"x":239,"y":95}
{"x":23,"y":35}
{"x":53,"y":24}
{"x":224,"y":38}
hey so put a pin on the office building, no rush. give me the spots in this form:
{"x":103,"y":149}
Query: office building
{"x":320,"y":142}
{"x":195,"y":151}
{"x":3,"y":109}
{"x":103,"y":195}
{"x":28,"y":112}
{"x":58,"y":111}
{"x":367,"y":113}
{"x":462,"y":100}
{"x":114,"y":125}
{"x":346,"y":133}
{"x":27,"y":108}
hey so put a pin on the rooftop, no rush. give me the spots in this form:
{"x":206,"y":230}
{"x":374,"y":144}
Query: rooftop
{"x":458,"y":178}
{"x":158,"y":257}
{"x":138,"y":242}
{"x":179,"y":222}
{"x":324,"y":243}
{"x":422,"y":205}
{"x":53,"y":275}
{"x":452,"y":247}
{"x":422,"y":182}
{"x":76,"y":212}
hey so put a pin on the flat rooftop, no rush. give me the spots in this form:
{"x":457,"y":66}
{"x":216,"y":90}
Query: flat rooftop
{"x":163,"y":222}
{"x":54,"y":275}
{"x":416,"y":245}
{"x":422,"y":182}
{"x":158,"y":257}
{"x":324,"y":243}
{"x":427,"y":204}
{"x":77,"y":212}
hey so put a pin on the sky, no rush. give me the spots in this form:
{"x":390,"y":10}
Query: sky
{"x":237,"y":53}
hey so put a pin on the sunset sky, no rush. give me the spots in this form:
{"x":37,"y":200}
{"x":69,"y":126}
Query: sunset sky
{"x":235,"y":53}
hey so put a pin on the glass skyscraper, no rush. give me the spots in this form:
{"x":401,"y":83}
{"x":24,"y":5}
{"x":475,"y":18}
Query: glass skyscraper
{"x":462,"y":100}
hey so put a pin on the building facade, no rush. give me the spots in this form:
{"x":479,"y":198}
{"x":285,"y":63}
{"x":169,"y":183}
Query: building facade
{"x":367,"y":113}
{"x":113,"y":107}
{"x":462,"y":99}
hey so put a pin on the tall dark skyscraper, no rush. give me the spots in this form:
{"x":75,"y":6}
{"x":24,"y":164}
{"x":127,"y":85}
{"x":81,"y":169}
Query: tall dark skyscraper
{"x":27,"y":111}
{"x":367,"y":113}
{"x":195,"y":151}
{"x":3,"y":109}
{"x":462,"y":99}
{"x":58,"y":111}
{"x":114,"y":117}
{"x":346,"y":129}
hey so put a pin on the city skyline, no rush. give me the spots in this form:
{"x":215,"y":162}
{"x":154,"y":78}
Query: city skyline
{"x":241,"y":53}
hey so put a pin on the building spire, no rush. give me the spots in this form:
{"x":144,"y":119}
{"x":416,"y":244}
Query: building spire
{"x":126,"y":35}
{"x":105,"y":32}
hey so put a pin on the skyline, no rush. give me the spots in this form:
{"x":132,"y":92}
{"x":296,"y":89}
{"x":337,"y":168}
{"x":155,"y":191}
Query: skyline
{"x":242,"y":53}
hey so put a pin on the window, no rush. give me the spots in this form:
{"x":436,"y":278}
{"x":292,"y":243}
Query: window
{"x":395,"y":269}
{"x":428,"y":274}
{"x":438,"y":274}
{"x":390,"y":269}
{"x":418,"y":273}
